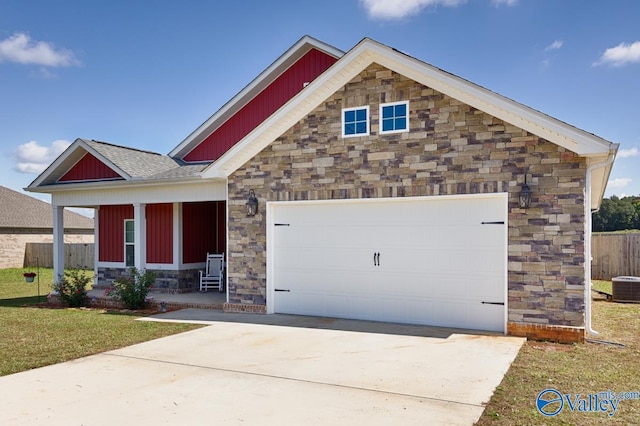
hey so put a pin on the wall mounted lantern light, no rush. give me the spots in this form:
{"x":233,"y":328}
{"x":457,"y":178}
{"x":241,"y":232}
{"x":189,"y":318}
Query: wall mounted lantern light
{"x":252,"y":204}
{"x":525,"y":195}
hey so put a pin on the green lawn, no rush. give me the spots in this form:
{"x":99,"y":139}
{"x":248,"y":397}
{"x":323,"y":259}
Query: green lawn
{"x":32,"y":337}
{"x":581,"y":368}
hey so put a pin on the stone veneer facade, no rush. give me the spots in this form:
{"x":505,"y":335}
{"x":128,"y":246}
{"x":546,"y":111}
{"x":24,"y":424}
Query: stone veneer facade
{"x":167,"y":281}
{"x":451,"y":148}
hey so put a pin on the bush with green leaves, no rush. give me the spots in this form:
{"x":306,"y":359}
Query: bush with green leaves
{"x":132,"y":290}
{"x":72,"y":287}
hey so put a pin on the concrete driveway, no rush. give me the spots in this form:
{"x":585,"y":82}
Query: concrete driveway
{"x":270,"y":370}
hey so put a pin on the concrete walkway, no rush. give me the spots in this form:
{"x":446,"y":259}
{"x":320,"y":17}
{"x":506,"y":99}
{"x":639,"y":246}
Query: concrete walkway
{"x":270,"y":370}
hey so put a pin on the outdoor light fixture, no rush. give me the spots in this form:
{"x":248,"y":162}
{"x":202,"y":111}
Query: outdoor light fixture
{"x":525,"y":195}
{"x":252,"y":204}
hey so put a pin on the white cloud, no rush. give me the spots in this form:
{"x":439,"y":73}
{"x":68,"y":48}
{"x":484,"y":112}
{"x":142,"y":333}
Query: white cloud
{"x":557,"y":44}
{"x":504,"y":2}
{"x":626,"y":153}
{"x":398,"y":9}
{"x":619,"y":182}
{"x":622,"y":54}
{"x":33,"y":158}
{"x":20,"y":48}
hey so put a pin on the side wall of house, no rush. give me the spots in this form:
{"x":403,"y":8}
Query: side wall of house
{"x":13,"y":243}
{"x":451,"y":149}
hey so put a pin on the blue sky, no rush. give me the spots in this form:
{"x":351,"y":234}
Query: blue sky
{"x":146,"y":74}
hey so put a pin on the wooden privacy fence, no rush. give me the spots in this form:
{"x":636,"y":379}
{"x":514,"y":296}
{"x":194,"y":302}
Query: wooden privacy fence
{"x":615,"y":255}
{"x":77,"y":255}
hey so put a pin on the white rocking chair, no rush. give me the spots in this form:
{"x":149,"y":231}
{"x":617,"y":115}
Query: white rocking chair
{"x":213,"y":276}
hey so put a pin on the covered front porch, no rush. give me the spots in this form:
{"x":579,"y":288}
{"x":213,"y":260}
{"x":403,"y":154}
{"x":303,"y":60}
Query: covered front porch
{"x":164,"y":229}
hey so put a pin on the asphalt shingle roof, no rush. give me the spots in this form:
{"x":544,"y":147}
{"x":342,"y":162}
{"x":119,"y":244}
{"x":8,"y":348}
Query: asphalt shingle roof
{"x":22,"y":211}
{"x":135,"y":162}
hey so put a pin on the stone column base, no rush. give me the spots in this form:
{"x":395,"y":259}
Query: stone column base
{"x":553,"y":333}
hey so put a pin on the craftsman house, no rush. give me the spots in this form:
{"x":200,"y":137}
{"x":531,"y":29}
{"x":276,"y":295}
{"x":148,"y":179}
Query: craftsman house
{"x":387,"y":189}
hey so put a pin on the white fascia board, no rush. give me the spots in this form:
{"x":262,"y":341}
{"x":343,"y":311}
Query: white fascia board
{"x":368,"y":52}
{"x":203,"y":190}
{"x":250,"y":91}
{"x":114,"y":184}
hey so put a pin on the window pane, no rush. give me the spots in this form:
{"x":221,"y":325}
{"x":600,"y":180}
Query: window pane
{"x":349,"y":116}
{"x":361,"y":114}
{"x":361,"y":127}
{"x":401,"y":123}
{"x":387,"y":112}
{"x":129,"y":231}
{"x":401,"y":110}
{"x":129,"y":256}
{"x":387,"y":125}
{"x":349,"y":128}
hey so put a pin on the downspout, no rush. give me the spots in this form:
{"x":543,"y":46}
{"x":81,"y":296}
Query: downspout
{"x":587,"y":245}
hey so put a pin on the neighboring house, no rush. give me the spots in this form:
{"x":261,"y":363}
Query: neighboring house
{"x":387,"y":189}
{"x":23,"y":219}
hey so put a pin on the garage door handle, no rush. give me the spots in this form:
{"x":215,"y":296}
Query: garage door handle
{"x":376,"y":259}
{"x":497,"y":222}
{"x":280,"y":289}
{"x":493,"y":303}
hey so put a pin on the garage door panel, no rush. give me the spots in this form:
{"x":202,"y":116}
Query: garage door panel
{"x":437,"y":262}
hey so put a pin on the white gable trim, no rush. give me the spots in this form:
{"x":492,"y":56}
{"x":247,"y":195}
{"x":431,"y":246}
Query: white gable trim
{"x":285,"y":61}
{"x":64,"y":161}
{"x":368,"y":52}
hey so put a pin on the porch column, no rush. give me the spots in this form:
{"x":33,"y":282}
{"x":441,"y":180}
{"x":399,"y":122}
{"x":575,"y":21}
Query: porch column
{"x":140,"y":235}
{"x":177,"y":235}
{"x":58,"y":242}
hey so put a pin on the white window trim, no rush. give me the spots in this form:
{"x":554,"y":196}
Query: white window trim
{"x":382,"y":132}
{"x":365,"y":107}
{"x":127,"y":243}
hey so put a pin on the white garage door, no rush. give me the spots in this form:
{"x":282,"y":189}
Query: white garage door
{"x":429,"y":260}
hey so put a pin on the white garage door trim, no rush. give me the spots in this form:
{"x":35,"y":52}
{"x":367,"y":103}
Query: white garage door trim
{"x":271,"y":207}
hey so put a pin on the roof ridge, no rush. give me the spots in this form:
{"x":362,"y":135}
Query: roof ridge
{"x":126,"y":147}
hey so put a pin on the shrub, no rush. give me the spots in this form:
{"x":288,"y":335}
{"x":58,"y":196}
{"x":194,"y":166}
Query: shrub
{"x":72,"y":287}
{"x":132,"y":290}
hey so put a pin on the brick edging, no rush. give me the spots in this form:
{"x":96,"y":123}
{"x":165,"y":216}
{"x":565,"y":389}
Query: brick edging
{"x":554,"y":333}
{"x":244,"y":308}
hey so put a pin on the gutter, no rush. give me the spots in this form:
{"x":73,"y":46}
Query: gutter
{"x":587,"y":246}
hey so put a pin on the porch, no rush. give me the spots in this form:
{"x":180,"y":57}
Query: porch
{"x":173,"y":301}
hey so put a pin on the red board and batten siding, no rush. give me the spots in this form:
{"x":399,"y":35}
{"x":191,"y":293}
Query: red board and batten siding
{"x":159,"y":233}
{"x":287,"y":85}
{"x":204,"y":230}
{"x":89,"y":168}
{"x":111,"y":232}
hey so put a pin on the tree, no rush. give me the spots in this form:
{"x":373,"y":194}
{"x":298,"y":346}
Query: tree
{"x":617,"y":214}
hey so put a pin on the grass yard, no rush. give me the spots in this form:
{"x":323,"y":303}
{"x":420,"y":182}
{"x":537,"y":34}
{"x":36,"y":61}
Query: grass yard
{"x":586,"y":368}
{"x":32,"y":337}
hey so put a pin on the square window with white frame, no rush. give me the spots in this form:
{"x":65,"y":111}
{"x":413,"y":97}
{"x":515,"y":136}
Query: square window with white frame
{"x":355,"y":121}
{"x":394,"y":117}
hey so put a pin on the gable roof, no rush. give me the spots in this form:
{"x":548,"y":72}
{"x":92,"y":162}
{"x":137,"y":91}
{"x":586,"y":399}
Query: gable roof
{"x":21,"y":211}
{"x":129,"y":163}
{"x":368,"y":52}
{"x":286,"y":60}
